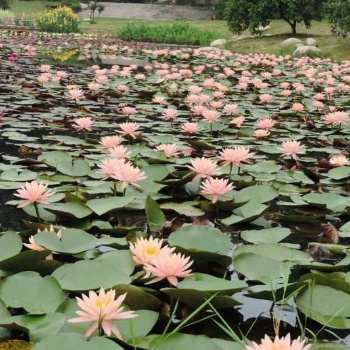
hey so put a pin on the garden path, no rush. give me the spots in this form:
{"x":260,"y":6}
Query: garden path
{"x":151,"y":11}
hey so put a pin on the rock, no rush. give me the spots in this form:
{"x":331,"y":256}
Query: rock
{"x":218,"y":42}
{"x":209,"y":48}
{"x":311,"y":42}
{"x":263,"y":29}
{"x":290,"y":42}
{"x":306,"y":50}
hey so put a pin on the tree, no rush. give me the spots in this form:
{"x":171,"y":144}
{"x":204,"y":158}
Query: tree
{"x":251,"y":14}
{"x":338,"y":14}
{"x":4,"y":5}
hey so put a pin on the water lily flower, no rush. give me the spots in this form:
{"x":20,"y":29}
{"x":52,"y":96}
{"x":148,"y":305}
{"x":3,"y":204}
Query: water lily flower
{"x":265,"y":98}
{"x":298,"y":107}
{"x":145,"y":250}
{"x":230,"y":108}
{"x":203,"y":168}
{"x":266,"y":123}
{"x":215,"y":188}
{"x":170,"y":150}
{"x":101,"y":310}
{"x":75,"y":94}
{"x":291,"y":148}
{"x":335,"y":118}
{"x":128,"y":111}
{"x":34,"y":192}
{"x":210,"y":115}
{"x":107,"y":142}
{"x":170,"y":266}
{"x":238,"y":121}
{"x":261,"y":133}
{"x":127,"y":174}
{"x":235,"y":156}
{"x":129,"y":129}
{"x":190,"y":128}
{"x":119,"y":152}
{"x":83,"y":123}
{"x":338,"y":160}
{"x":170,"y":114}
{"x":94,"y":87}
{"x":284,"y":343}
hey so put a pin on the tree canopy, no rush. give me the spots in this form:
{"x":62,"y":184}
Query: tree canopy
{"x":251,"y":14}
{"x":338,"y":14}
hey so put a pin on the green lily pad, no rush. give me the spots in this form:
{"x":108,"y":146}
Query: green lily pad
{"x":106,"y":271}
{"x":38,"y":326}
{"x":208,"y":283}
{"x":200,"y":238}
{"x":268,"y":235}
{"x":74,"y":168}
{"x":326,"y":305}
{"x":155,"y":217}
{"x":10,"y":245}
{"x":75,"y":341}
{"x":37,"y":295}
{"x":105,"y":205}
{"x":182,"y":341}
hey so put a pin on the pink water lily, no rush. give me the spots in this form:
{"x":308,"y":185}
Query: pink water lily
{"x":215,"y":188}
{"x":127,"y":174}
{"x":292,"y":148}
{"x":235,"y":156}
{"x":170,"y":266}
{"x":83,"y":123}
{"x":34,"y":192}
{"x":145,"y":250}
{"x":203,"y":167}
{"x":101,"y":311}
{"x":283,"y":343}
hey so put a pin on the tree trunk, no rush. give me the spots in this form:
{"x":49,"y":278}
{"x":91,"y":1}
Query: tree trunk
{"x":293,"y":24}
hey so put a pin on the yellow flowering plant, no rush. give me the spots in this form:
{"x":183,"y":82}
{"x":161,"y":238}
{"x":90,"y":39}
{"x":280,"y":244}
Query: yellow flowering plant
{"x":59,"y":20}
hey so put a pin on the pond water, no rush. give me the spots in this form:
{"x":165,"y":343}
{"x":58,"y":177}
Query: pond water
{"x":280,"y":204}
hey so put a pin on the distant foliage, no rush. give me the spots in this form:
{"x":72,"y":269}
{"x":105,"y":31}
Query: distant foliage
{"x":249,"y":15}
{"x":5,"y":14}
{"x":338,"y":14}
{"x":60,"y":20}
{"x":4,"y":4}
{"x":177,"y":33}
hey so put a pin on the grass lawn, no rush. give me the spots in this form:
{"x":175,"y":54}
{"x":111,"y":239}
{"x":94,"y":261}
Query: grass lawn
{"x":332,"y":47}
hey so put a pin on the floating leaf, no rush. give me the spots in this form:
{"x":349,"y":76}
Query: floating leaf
{"x":74,"y":341}
{"x":108,"y":270}
{"x":155,"y":217}
{"x":105,"y":205}
{"x":182,"y":341}
{"x":208,"y":283}
{"x":37,"y":295}
{"x":268,"y":235}
{"x":76,"y":168}
{"x":200,"y":238}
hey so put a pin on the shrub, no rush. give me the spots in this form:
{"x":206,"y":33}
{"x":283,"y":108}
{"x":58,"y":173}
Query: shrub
{"x":177,"y":33}
{"x":5,"y":14}
{"x":58,"y":20}
{"x":4,"y":4}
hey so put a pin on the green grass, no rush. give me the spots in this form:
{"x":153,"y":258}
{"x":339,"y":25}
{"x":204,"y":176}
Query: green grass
{"x":332,"y":47}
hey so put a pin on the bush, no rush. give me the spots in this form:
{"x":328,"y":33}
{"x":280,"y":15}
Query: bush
{"x":58,"y":20}
{"x":177,"y":33}
{"x":4,"y":4}
{"x":6,"y":14}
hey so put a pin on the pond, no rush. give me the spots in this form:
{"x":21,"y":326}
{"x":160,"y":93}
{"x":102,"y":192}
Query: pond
{"x":238,"y":162}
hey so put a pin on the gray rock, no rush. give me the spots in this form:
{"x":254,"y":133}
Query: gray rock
{"x":291,"y":42}
{"x":311,"y":42}
{"x":306,"y":50}
{"x":218,"y":42}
